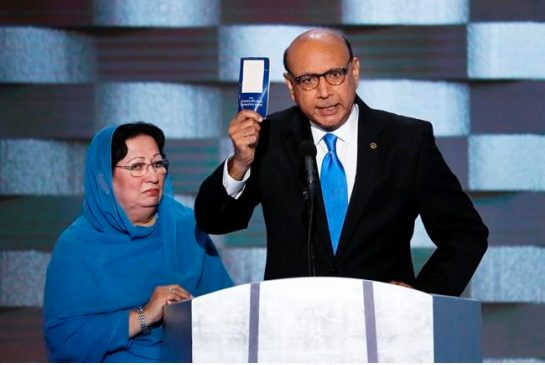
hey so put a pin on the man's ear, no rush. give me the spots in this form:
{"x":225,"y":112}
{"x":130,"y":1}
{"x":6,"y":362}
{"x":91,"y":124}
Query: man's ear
{"x":356,"y":70}
{"x":290,"y":85}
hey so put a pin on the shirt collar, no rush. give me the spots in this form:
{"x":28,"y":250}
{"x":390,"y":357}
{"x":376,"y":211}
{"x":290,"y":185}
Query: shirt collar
{"x":348,"y":132}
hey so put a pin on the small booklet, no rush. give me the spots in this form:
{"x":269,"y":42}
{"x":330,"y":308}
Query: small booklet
{"x":253,"y":86}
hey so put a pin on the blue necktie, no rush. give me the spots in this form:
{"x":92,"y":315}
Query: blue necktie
{"x":334,"y":191}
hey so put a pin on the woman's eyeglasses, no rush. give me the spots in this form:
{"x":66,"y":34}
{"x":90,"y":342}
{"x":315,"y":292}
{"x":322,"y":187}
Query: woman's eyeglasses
{"x":139,"y":169}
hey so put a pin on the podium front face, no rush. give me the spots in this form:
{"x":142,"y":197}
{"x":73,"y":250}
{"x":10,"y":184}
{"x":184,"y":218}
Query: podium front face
{"x":323,"y":320}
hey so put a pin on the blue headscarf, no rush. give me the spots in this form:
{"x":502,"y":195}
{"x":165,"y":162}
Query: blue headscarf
{"x":103,"y":266}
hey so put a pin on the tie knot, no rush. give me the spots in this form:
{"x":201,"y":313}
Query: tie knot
{"x":330,"y":140}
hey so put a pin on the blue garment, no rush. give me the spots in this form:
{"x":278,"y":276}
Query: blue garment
{"x":334,"y":190}
{"x":102,"y":267}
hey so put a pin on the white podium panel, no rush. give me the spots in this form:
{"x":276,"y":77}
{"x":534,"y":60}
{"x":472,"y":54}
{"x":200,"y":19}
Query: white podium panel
{"x":323,"y":320}
{"x":289,"y":332}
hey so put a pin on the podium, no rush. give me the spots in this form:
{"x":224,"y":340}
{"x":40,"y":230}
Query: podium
{"x":323,"y":319}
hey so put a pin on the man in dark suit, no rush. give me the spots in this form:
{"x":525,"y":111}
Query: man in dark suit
{"x":378,"y":172}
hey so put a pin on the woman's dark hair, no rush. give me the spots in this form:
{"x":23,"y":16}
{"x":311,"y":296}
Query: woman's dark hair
{"x":131,"y":130}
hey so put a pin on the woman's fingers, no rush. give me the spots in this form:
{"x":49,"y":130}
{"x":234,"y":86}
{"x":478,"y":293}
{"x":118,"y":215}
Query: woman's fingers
{"x":176,"y":293}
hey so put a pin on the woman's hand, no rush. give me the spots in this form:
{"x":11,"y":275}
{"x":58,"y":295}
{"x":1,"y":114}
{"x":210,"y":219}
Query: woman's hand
{"x":401,"y":283}
{"x":153,"y":310}
{"x":163,"y":295}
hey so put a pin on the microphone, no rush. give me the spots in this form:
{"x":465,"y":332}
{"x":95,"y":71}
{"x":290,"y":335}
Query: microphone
{"x":307,"y":150}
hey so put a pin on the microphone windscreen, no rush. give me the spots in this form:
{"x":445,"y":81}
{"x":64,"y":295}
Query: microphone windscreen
{"x":307,"y":148}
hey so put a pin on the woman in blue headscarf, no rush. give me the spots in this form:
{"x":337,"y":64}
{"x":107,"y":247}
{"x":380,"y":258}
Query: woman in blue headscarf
{"x":134,"y":250}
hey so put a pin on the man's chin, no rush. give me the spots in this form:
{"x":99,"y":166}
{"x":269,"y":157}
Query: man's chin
{"x":329,"y":124}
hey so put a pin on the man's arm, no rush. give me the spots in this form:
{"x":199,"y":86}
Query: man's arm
{"x":217,"y":210}
{"x":450,"y":220}
{"x":218,"y":213}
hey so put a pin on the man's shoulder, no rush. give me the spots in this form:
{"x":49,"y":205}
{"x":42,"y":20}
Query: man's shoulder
{"x":277,"y":124}
{"x":285,"y":115}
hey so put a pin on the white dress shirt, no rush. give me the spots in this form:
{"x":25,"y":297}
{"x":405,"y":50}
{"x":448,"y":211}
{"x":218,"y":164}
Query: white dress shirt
{"x":347,"y":152}
{"x":347,"y":147}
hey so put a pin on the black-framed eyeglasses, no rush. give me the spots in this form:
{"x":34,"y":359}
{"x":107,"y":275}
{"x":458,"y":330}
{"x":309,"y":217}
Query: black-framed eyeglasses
{"x":307,"y":82}
{"x":139,"y":169}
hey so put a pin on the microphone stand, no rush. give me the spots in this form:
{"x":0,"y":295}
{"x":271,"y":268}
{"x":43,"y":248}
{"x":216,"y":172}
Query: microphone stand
{"x":308,"y":196}
{"x":307,"y":150}
{"x":310,"y":246}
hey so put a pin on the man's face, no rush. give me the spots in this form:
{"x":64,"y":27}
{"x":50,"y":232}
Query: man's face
{"x":327,"y":105}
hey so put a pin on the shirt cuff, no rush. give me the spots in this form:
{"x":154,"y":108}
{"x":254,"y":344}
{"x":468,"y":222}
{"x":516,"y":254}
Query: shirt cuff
{"x":234,"y":188}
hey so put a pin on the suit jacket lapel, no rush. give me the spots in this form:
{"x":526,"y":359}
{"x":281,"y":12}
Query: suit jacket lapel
{"x":368,"y":167}
{"x":298,"y":130}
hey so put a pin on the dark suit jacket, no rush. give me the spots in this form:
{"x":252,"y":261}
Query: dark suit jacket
{"x":405,"y":175}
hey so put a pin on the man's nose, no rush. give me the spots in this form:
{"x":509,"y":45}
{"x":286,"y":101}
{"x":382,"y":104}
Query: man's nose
{"x":323,"y":87}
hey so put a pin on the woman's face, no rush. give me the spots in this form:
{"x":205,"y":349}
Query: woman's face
{"x":139,"y":196}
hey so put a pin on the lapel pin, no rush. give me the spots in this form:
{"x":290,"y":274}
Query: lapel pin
{"x":373,"y":145}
